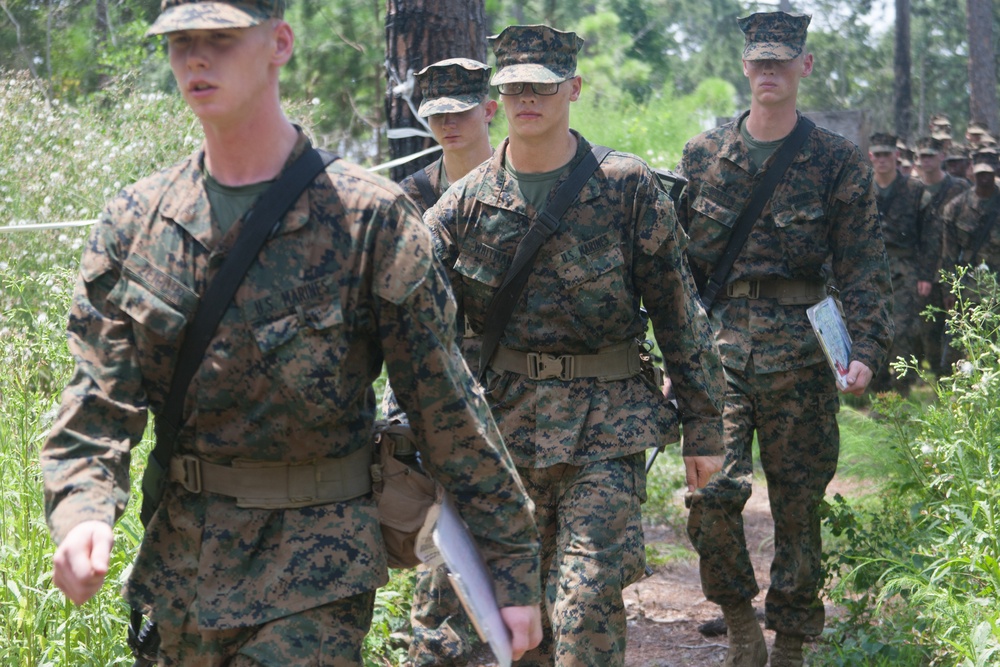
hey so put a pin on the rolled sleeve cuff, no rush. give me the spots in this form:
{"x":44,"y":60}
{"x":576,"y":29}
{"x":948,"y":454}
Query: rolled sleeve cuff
{"x":703,"y":438}
{"x":517,"y":582}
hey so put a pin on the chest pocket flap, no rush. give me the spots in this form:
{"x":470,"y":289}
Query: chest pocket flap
{"x":713,"y":203}
{"x":154,"y":299}
{"x":482,"y":263}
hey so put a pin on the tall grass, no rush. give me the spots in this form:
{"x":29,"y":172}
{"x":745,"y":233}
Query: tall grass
{"x":919,"y":567}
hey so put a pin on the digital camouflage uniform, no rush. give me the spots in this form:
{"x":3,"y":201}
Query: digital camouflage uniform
{"x":442,"y":632}
{"x":348,"y":280}
{"x":822,"y":214}
{"x":578,"y":444}
{"x":932,"y":329}
{"x":409,"y":185}
{"x":906,"y":222}
{"x":963,"y":216}
{"x":447,"y":86}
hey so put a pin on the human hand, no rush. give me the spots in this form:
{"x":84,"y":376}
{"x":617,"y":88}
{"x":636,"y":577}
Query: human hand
{"x":81,"y":561}
{"x":698,"y":469}
{"x":525,"y":625}
{"x":924,"y":288}
{"x":858,"y":377}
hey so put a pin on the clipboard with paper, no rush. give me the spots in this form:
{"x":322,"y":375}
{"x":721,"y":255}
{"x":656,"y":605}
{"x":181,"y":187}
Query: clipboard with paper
{"x":445,"y":540}
{"x":831,"y":330}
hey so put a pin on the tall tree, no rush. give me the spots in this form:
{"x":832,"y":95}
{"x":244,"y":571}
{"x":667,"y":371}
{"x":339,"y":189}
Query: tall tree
{"x":982,"y":64}
{"x":902,"y":97}
{"x":419,"y":33}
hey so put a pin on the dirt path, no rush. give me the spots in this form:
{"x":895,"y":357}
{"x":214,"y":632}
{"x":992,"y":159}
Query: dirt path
{"x":665,"y":609}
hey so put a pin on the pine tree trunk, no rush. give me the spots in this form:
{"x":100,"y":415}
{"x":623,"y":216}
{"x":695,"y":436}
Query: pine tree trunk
{"x":419,"y":33}
{"x":982,"y":64}
{"x":901,"y":88}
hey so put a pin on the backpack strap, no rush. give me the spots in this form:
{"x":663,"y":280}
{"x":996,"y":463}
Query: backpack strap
{"x":427,"y":193}
{"x":542,"y":227}
{"x":261,"y":222}
{"x":758,"y":198}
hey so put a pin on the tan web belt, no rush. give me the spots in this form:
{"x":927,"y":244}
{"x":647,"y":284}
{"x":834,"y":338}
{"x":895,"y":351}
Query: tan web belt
{"x":273,"y":485}
{"x":787,"y":292}
{"x":615,"y":362}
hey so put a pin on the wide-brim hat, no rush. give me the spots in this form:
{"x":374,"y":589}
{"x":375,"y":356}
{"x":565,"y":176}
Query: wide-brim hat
{"x":774,"y":35}
{"x":178,"y":15}
{"x":452,"y":86}
{"x":534,"y":54}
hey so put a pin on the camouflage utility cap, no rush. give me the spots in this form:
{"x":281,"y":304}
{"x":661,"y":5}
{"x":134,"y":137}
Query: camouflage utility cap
{"x":774,"y":35}
{"x":956,"y":152}
{"x":452,"y":86}
{"x":940,"y":120}
{"x":984,"y":161}
{"x":977,"y":127}
{"x":198,"y":15}
{"x":929,"y":146}
{"x":882,"y":142}
{"x":941,"y":132}
{"x":534,"y":54}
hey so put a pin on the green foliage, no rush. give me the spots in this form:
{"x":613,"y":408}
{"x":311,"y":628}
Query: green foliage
{"x":919,"y":571}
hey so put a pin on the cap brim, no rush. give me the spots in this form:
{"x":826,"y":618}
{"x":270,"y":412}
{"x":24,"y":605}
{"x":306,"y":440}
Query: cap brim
{"x":983,"y":168}
{"x":882,"y":149}
{"x":771,"y":51}
{"x":205,"y":16}
{"x":452,"y":104}
{"x":528,"y":73}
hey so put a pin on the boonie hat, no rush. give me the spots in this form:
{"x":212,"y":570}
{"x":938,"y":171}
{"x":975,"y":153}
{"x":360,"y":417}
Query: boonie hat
{"x":534,"y":54}
{"x":882,"y":142}
{"x":774,"y":35}
{"x":452,"y":86}
{"x":984,"y":161}
{"x":218,"y":14}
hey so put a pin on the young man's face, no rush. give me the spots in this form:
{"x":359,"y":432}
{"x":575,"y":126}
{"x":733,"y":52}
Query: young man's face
{"x":930,"y":163}
{"x":222,"y":74}
{"x":776,"y":82}
{"x":531,"y":116}
{"x":884,"y":162}
{"x":458,"y":131}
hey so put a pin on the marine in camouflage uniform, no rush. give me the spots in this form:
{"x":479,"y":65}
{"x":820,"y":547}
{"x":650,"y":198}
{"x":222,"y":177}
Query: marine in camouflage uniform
{"x":578,"y":438}
{"x":456,"y":103}
{"x":820,"y":224}
{"x":455,"y":100}
{"x":940,"y":188}
{"x":906,"y":222}
{"x":347,"y":280}
{"x":965,"y":216}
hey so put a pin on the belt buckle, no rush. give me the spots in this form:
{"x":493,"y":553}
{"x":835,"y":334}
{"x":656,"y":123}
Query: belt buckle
{"x":542,"y":366}
{"x":192,"y":473}
{"x":743,"y":288}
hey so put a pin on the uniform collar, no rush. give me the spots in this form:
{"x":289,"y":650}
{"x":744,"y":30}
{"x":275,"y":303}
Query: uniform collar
{"x":736,"y":151}
{"x":499,"y":190}
{"x":186,"y":202}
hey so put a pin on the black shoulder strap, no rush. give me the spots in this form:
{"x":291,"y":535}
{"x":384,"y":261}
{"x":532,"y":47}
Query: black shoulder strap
{"x":983,"y":228}
{"x":427,"y":193}
{"x":263,"y":219}
{"x":758,"y":198}
{"x":545,"y":225}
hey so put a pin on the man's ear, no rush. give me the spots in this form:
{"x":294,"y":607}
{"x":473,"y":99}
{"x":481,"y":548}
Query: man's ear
{"x":284,"y":43}
{"x":490,"y":109}
{"x":807,"y":65}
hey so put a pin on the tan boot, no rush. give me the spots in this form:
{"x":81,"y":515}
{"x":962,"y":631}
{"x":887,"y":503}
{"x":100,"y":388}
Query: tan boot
{"x":746,"y":640}
{"x":787,"y":651}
